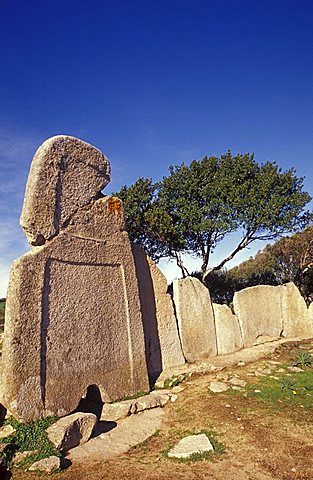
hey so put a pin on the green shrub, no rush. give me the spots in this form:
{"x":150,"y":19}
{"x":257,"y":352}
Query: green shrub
{"x":28,"y":437}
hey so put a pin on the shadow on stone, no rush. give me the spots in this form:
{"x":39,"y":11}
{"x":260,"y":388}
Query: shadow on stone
{"x":149,"y":317}
{"x":65,"y":463}
{"x":103,"y":427}
{"x":92,"y":403}
{"x":3,"y":412}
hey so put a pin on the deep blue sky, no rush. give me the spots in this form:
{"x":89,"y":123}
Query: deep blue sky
{"x":152,"y":83}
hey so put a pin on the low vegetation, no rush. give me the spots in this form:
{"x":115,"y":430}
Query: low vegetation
{"x":30,"y":437}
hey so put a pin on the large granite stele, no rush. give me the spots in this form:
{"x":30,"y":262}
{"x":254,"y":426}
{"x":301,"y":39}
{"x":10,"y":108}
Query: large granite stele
{"x":73,"y":315}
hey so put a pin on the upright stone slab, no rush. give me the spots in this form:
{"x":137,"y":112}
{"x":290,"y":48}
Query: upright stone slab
{"x":73,"y":316}
{"x":195,"y":319}
{"x":163,"y":347}
{"x":258,"y":310}
{"x":296,"y":322}
{"x":228,"y":334}
{"x":65,"y":174}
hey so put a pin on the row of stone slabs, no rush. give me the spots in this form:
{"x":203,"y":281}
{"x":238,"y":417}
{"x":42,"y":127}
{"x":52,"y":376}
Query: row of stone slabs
{"x":85,"y":307}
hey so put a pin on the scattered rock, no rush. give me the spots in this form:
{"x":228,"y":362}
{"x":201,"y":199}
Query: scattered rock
{"x":238,"y":382}
{"x":71,"y":431}
{"x":149,"y":401}
{"x":241,"y":364}
{"x":47,"y":465}
{"x":218,"y":387}
{"x":178,"y":389}
{"x":3,"y":447}
{"x":7,"y":431}
{"x":295,"y":369}
{"x":20,"y":456}
{"x":174,"y":398}
{"x":235,"y":387}
{"x":223,"y":377}
{"x":115,"y":411}
{"x":192,"y":444}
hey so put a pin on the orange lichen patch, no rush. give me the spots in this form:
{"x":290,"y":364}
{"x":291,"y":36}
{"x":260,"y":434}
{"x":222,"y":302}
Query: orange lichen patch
{"x":115,"y":205}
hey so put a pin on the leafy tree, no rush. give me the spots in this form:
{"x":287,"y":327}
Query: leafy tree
{"x":196,"y":206}
{"x":290,"y":259}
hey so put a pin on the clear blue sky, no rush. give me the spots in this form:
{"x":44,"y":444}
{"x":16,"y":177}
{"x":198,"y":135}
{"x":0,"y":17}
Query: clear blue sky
{"x":152,"y":83}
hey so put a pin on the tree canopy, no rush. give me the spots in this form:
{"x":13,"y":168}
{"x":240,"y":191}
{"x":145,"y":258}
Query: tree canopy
{"x":290,"y":259}
{"x":196,"y":206}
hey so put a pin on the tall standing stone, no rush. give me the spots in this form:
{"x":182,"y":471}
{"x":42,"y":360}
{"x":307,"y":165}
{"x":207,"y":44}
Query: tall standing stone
{"x":195,"y":319}
{"x":258,"y":310}
{"x":73,"y":315}
{"x":228,"y":332}
{"x":163,"y":347}
{"x":296,"y":322}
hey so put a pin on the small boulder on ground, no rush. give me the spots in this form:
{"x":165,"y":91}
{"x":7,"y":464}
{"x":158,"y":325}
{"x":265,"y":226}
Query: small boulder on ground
{"x":20,"y":456}
{"x":47,"y":465}
{"x":218,"y":387}
{"x":6,"y":431}
{"x":237,"y":382}
{"x":192,"y":444}
{"x":72,"y":430}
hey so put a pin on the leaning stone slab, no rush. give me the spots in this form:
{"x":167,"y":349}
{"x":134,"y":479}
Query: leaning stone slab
{"x":129,"y":432}
{"x":163,"y":347}
{"x":190,"y":445}
{"x":296,"y":321}
{"x":46,"y":465}
{"x":228,"y":334}
{"x":258,"y":310}
{"x":71,"y":431}
{"x":195,"y":319}
{"x":65,"y":174}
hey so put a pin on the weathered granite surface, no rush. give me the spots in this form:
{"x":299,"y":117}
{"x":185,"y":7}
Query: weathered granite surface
{"x":195,"y":319}
{"x":258,"y":310}
{"x":65,"y":174}
{"x":163,"y":347}
{"x":228,"y":334}
{"x":73,"y":316}
{"x":295,"y":316}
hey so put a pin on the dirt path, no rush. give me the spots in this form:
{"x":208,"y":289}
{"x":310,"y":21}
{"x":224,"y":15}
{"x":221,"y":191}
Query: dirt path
{"x":265,"y":437}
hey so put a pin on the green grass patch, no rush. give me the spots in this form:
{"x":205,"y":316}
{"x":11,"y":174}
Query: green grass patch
{"x":177,"y":435}
{"x":28,"y":437}
{"x":139,"y":394}
{"x":292,"y":390}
